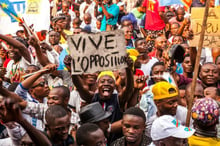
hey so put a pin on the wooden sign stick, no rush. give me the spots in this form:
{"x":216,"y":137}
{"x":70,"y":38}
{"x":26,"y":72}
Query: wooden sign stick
{"x":30,"y":74}
{"x":196,"y":70}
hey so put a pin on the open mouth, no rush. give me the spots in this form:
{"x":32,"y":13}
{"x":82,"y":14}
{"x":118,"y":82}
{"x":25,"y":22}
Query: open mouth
{"x":106,"y":91}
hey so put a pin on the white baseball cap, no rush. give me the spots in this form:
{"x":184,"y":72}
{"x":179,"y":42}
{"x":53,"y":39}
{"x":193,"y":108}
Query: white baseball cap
{"x":166,"y":126}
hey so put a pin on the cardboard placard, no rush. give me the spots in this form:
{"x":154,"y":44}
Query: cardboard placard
{"x":97,"y":52}
{"x":212,"y":31}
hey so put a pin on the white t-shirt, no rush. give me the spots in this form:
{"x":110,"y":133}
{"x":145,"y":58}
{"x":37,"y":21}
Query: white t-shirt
{"x":13,"y":67}
{"x":75,"y":100}
{"x":146,"y":68}
{"x":90,"y":9}
{"x":206,"y":55}
{"x":50,"y":58}
{"x":92,"y":25}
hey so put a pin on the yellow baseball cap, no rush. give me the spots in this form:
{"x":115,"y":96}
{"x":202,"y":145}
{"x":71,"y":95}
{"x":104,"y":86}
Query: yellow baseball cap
{"x":132,"y":52}
{"x":163,"y":90}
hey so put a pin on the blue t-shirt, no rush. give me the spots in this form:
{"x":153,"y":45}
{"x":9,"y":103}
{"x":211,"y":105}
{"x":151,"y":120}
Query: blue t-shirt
{"x":61,"y":58}
{"x":179,"y":68}
{"x":112,"y":9}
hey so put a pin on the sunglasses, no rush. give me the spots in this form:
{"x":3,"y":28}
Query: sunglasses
{"x":41,"y":84}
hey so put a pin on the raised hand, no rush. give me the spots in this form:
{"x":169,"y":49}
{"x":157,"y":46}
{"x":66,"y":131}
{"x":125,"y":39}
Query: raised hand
{"x":98,"y":2}
{"x":10,"y":111}
{"x":67,"y":61}
{"x":33,"y":41}
{"x":46,"y":46}
{"x":50,"y":68}
{"x":139,"y":81}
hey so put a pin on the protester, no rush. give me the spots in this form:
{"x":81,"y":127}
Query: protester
{"x":187,"y":66}
{"x":90,"y":135}
{"x":20,"y":58}
{"x":205,"y":125}
{"x":182,"y":96}
{"x":133,"y":126}
{"x":94,"y":113}
{"x":165,"y":97}
{"x":10,"y":112}
{"x":155,"y":20}
{"x":198,"y":93}
{"x":58,"y":122}
{"x":167,"y":130}
{"x":209,"y":75}
{"x":110,"y":11}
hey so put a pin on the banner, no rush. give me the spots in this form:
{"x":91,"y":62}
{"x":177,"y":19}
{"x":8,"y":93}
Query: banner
{"x":212,"y":31}
{"x":97,"y":52}
{"x":185,"y":3}
{"x":35,"y":12}
{"x":170,"y":2}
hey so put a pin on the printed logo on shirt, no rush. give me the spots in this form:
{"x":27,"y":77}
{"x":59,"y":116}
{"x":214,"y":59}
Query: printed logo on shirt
{"x":110,"y":108}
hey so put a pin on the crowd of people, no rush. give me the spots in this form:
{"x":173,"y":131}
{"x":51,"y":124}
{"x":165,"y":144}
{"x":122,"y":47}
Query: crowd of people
{"x":145,"y":104}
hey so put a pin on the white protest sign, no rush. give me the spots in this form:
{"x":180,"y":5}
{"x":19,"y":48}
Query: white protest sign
{"x":97,"y":52}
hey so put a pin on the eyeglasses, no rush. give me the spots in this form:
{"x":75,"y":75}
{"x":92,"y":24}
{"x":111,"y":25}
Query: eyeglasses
{"x":41,"y":84}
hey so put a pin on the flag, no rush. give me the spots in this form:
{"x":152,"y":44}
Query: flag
{"x":8,"y":8}
{"x":170,"y":2}
{"x":36,"y":12}
{"x":217,"y":3}
{"x":185,"y":3}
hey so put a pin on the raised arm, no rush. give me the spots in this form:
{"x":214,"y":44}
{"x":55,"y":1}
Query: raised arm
{"x":13,"y":113}
{"x":186,"y":22}
{"x":42,"y":58}
{"x":96,"y":12}
{"x":85,"y":94}
{"x":139,"y":83}
{"x":125,"y":94}
{"x":6,"y":93}
{"x":105,"y":12}
{"x":22,"y":49}
{"x":28,"y":82}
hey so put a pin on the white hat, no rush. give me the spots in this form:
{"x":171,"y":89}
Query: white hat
{"x":120,"y":4}
{"x":166,"y":126}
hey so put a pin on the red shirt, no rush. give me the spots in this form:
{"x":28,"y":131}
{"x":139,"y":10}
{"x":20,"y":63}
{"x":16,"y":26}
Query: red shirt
{"x":6,"y":62}
{"x":152,"y":54}
{"x":153,"y":20}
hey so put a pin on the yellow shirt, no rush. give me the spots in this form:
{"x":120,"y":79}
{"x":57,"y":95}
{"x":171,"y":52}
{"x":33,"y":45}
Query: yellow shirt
{"x":203,"y":141}
{"x":67,"y":32}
